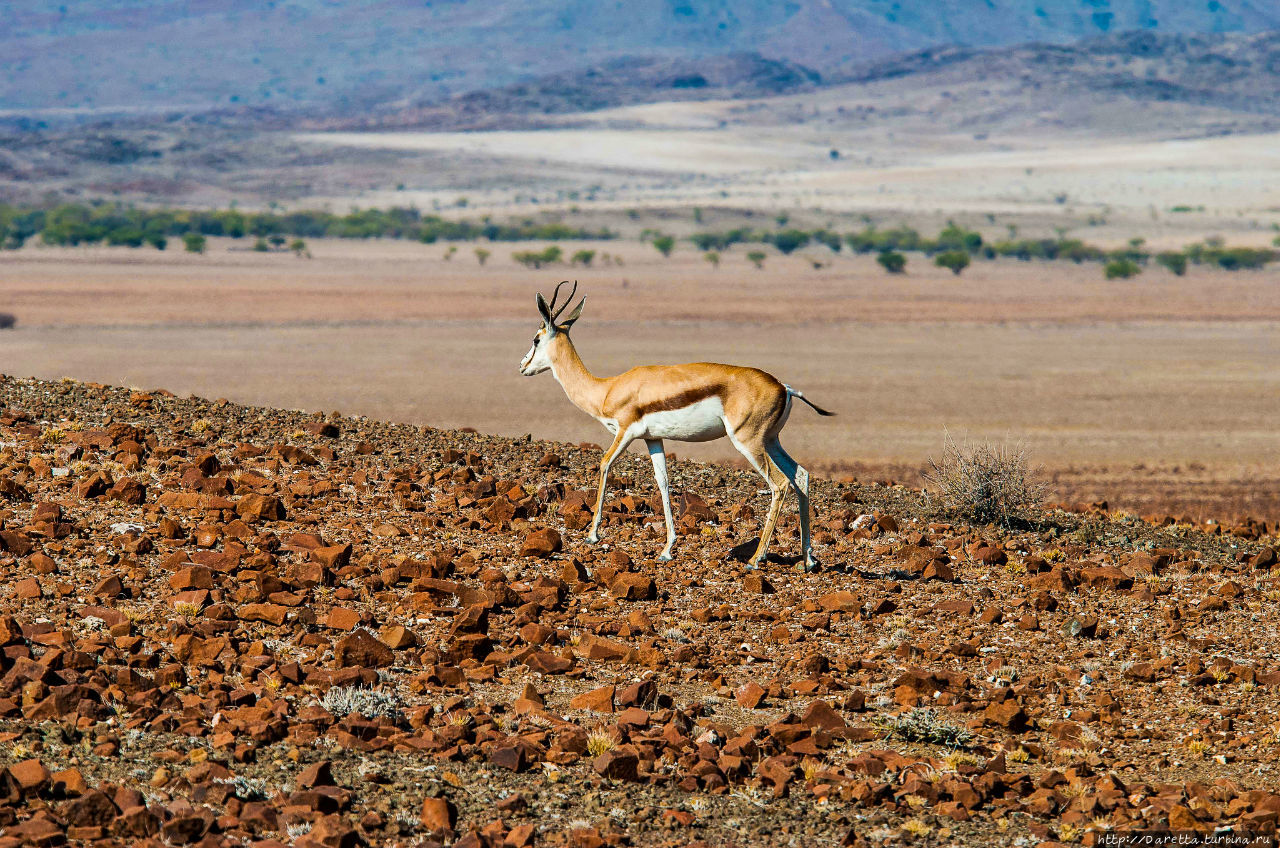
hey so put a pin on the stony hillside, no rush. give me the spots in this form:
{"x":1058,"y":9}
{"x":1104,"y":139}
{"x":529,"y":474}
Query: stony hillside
{"x":346,"y":55}
{"x":233,"y":625}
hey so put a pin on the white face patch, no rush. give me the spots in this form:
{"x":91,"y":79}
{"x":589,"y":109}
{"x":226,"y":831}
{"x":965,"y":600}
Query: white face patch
{"x":536,"y":360}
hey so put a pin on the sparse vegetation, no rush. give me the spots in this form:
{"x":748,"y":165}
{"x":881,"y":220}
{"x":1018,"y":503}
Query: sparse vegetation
{"x":924,"y":725}
{"x":1121,"y":269}
{"x":482,"y":255}
{"x":788,"y":241}
{"x":953,"y":260}
{"x":550,"y":255}
{"x":664,"y":244}
{"x":983,"y":483}
{"x":892,"y":261}
{"x":1175,"y":262}
{"x":713,"y":257}
{"x":194,"y":242}
{"x":584,"y":258}
{"x":757,"y":257}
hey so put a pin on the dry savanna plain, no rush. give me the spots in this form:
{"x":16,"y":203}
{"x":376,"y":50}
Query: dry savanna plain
{"x":1157,"y":393}
{"x":233,"y":616}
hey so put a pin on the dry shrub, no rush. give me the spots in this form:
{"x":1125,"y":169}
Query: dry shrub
{"x":984,"y":483}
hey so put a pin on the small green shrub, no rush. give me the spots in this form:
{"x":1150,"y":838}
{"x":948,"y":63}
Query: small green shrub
{"x":664,"y":244}
{"x":954,"y":260}
{"x":788,"y":241}
{"x":1174,"y":261}
{"x":892,"y":261}
{"x":194,"y":242}
{"x":757,"y":257}
{"x":1121,"y":269}
{"x":583,"y":258}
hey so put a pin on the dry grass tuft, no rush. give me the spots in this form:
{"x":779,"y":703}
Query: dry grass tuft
{"x":984,"y":483}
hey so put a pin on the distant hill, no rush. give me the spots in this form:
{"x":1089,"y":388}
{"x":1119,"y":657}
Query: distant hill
{"x":350,"y":55}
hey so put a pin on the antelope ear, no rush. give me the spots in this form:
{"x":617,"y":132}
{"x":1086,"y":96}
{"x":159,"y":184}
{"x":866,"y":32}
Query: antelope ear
{"x":544,"y":309}
{"x":574,"y":315}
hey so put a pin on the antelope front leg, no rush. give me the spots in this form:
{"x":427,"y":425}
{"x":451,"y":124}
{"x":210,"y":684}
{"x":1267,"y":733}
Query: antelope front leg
{"x":659,"y":457}
{"x":619,"y":445}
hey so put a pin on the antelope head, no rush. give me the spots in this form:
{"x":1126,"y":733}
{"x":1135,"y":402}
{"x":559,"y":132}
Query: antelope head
{"x":538,"y":359}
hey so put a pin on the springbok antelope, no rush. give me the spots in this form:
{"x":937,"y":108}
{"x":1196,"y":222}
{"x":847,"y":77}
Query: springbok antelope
{"x":697,"y":402}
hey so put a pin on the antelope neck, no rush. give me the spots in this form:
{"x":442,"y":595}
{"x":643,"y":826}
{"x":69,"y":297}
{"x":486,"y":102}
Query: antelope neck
{"x":585,"y":390}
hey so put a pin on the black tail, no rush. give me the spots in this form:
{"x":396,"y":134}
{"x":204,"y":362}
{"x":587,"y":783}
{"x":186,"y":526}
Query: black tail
{"x":816,"y":408}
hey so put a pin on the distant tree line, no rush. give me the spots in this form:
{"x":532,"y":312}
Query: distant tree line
{"x":117,"y":224}
{"x":954,"y":246}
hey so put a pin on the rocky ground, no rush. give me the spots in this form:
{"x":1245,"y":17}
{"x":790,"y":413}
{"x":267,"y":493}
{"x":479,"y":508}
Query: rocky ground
{"x":229,"y":625}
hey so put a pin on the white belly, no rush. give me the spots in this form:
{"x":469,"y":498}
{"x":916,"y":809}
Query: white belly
{"x":698,"y":422}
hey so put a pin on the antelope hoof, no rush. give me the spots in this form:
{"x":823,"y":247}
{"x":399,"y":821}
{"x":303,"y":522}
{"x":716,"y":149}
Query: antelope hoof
{"x":592,"y":539}
{"x":665,"y":556}
{"x":755,"y":563}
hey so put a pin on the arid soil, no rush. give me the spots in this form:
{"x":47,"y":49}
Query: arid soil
{"x":1157,"y":394}
{"x":244,"y":625}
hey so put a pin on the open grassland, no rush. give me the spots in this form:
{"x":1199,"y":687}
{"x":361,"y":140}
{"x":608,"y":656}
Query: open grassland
{"x":1158,"y":391}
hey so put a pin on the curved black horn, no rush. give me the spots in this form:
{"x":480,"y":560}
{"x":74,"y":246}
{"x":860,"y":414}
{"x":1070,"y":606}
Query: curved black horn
{"x":555,"y":296}
{"x":556,"y":315}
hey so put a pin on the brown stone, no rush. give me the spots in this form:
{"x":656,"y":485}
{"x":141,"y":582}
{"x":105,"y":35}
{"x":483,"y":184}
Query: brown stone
{"x":332,"y":557}
{"x":192,"y":577}
{"x":542,"y":543}
{"x":597,"y":700}
{"x":270,"y":613}
{"x":316,"y":774}
{"x":820,"y":714}
{"x":341,"y":618}
{"x":1008,"y":715}
{"x":261,"y":507}
{"x":756,"y":583}
{"x":750,"y":695}
{"x":31,"y":775}
{"x":439,"y":814}
{"x":840,"y":601}
{"x":361,"y":650}
{"x":398,"y":638}
{"x":631,"y":586}
{"x":621,"y":763}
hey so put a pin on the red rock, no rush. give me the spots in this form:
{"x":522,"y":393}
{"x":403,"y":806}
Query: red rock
{"x":510,"y":757}
{"x":135,"y":822}
{"x":840,"y":601}
{"x":92,"y":809}
{"x":620,"y":763}
{"x":398,"y":638}
{"x":332,"y":557}
{"x":438,"y":814}
{"x":545,"y":662}
{"x":29,"y":589}
{"x":361,"y":650}
{"x":1008,"y":715}
{"x":1106,"y":577}
{"x":316,"y":774}
{"x":270,"y":613}
{"x":630,"y":586}
{"x":192,"y":577}
{"x":31,"y":775}
{"x":260,"y":507}
{"x":756,"y":583}
{"x":820,"y":714}
{"x":750,"y":695}
{"x":597,"y":700}
{"x":542,"y":543}
{"x":341,"y":618}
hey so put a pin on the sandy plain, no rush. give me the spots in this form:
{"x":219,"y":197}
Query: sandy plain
{"x":1160,"y":393}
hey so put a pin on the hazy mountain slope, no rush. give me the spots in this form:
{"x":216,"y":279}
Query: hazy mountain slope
{"x":351,"y":53}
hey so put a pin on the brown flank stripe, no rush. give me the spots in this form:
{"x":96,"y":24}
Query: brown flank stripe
{"x":686,"y":398}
